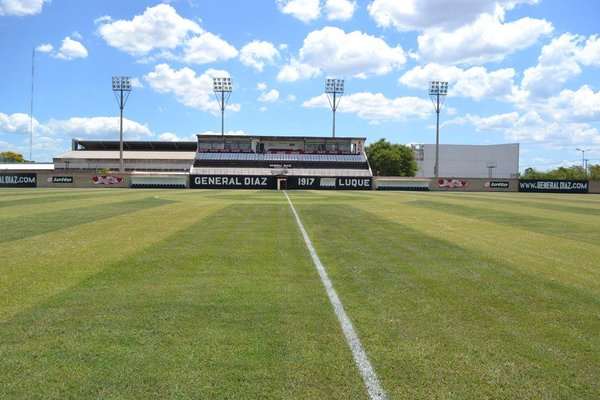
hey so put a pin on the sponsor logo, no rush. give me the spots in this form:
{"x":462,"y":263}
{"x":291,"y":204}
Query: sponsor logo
{"x":503,"y":185}
{"x":556,"y":186}
{"x":452,"y":183}
{"x":106,"y":180}
{"x":60,"y":179}
{"x":18,"y":180}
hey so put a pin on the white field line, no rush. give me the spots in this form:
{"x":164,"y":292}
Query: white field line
{"x":360,"y":357}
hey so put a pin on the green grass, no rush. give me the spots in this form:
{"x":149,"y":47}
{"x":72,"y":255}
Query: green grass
{"x":212,"y":294}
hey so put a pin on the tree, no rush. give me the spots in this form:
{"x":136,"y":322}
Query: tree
{"x":11,"y":157}
{"x":389,"y":159}
{"x":594,"y":172}
{"x":574,"y":172}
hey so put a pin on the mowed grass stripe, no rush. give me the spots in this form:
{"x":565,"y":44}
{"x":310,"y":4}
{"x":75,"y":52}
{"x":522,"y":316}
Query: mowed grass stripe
{"x":71,"y":200}
{"x":568,"y":261}
{"x":229,"y":307}
{"x":34,"y":269}
{"x":26,"y":226}
{"x":557,"y":224}
{"x":441,"y":320}
{"x":49,"y":198}
{"x":517,"y":200}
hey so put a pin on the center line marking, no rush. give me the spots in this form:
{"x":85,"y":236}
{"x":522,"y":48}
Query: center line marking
{"x":360,"y":357}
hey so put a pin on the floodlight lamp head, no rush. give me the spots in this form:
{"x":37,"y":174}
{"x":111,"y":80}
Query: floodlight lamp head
{"x":121,"y":83}
{"x":438,"y":88}
{"x":334,"y":86}
{"x":222,"y":85}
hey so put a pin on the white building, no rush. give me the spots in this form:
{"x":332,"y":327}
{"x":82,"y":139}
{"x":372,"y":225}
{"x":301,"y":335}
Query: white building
{"x":469,"y":161}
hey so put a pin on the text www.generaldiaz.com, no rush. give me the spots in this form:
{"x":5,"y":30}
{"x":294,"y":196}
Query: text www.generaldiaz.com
{"x":17,"y":179}
{"x":550,"y":185}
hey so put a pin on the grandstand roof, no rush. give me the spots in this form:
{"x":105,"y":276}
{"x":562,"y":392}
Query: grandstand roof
{"x":282,"y":138}
{"x":130,"y":155}
{"x":151,"y":146}
{"x":26,"y":167}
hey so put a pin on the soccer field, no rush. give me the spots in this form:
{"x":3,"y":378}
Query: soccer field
{"x":214,"y":294}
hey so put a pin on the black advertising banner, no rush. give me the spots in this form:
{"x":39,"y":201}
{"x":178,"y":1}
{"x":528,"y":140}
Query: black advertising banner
{"x":270,"y":182}
{"x":60,"y":179}
{"x":553,"y":186}
{"x":334,"y":183}
{"x":232,"y":182}
{"x":497,"y":184}
{"x":18,"y":180}
{"x":304,"y":182}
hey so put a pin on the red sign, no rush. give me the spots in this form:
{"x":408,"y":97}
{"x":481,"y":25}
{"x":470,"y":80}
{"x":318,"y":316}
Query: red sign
{"x":453,"y":183}
{"x":106,"y":180}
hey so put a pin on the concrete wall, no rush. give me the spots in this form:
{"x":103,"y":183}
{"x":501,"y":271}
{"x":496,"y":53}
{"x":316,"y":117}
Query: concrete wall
{"x":595,"y":187}
{"x":82,"y":179}
{"x":471,"y":161}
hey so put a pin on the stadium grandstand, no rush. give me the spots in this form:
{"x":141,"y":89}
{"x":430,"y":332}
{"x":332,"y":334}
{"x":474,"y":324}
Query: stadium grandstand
{"x":147,"y":156}
{"x":280,"y":162}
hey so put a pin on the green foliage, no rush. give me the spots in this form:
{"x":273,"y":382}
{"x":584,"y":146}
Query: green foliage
{"x":11,"y":157}
{"x":594,"y":171}
{"x":574,"y":172}
{"x":389,"y":159}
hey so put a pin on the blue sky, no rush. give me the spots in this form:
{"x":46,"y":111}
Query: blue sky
{"x":525,"y":71}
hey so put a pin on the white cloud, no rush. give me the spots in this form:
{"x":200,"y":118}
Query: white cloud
{"x":21,"y":7}
{"x":419,"y":15}
{"x":258,"y":53}
{"x":45,"y":48}
{"x":332,"y":51}
{"x":207,"y":48}
{"x":261,"y":86}
{"x":340,"y":9}
{"x":296,"y":70}
{"x":563,"y":120}
{"x":290,"y":97}
{"x":192,"y":90}
{"x":304,"y":10}
{"x":590,"y":53}
{"x":375,"y":107}
{"x":103,"y":20}
{"x":17,"y":123}
{"x":475,"y":82}
{"x":559,"y":62}
{"x":159,"y":27}
{"x":582,"y":105}
{"x":71,"y":49}
{"x":99,"y":128}
{"x":136,"y":83}
{"x":270,"y":96}
{"x":485,"y":40}
{"x":171,"y":137}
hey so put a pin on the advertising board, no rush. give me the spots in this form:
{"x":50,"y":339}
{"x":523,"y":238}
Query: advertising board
{"x":553,"y":186}
{"x":18,"y":180}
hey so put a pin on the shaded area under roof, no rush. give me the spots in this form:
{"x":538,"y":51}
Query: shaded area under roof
{"x":112,"y":145}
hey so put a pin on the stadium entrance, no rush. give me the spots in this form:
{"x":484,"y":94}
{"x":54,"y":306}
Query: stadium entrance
{"x":281,"y":183}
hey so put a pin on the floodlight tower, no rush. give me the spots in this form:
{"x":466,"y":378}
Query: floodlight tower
{"x":437,"y":91}
{"x":121,"y":86}
{"x":583,"y":159}
{"x":224,"y":87}
{"x":334,"y":87}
